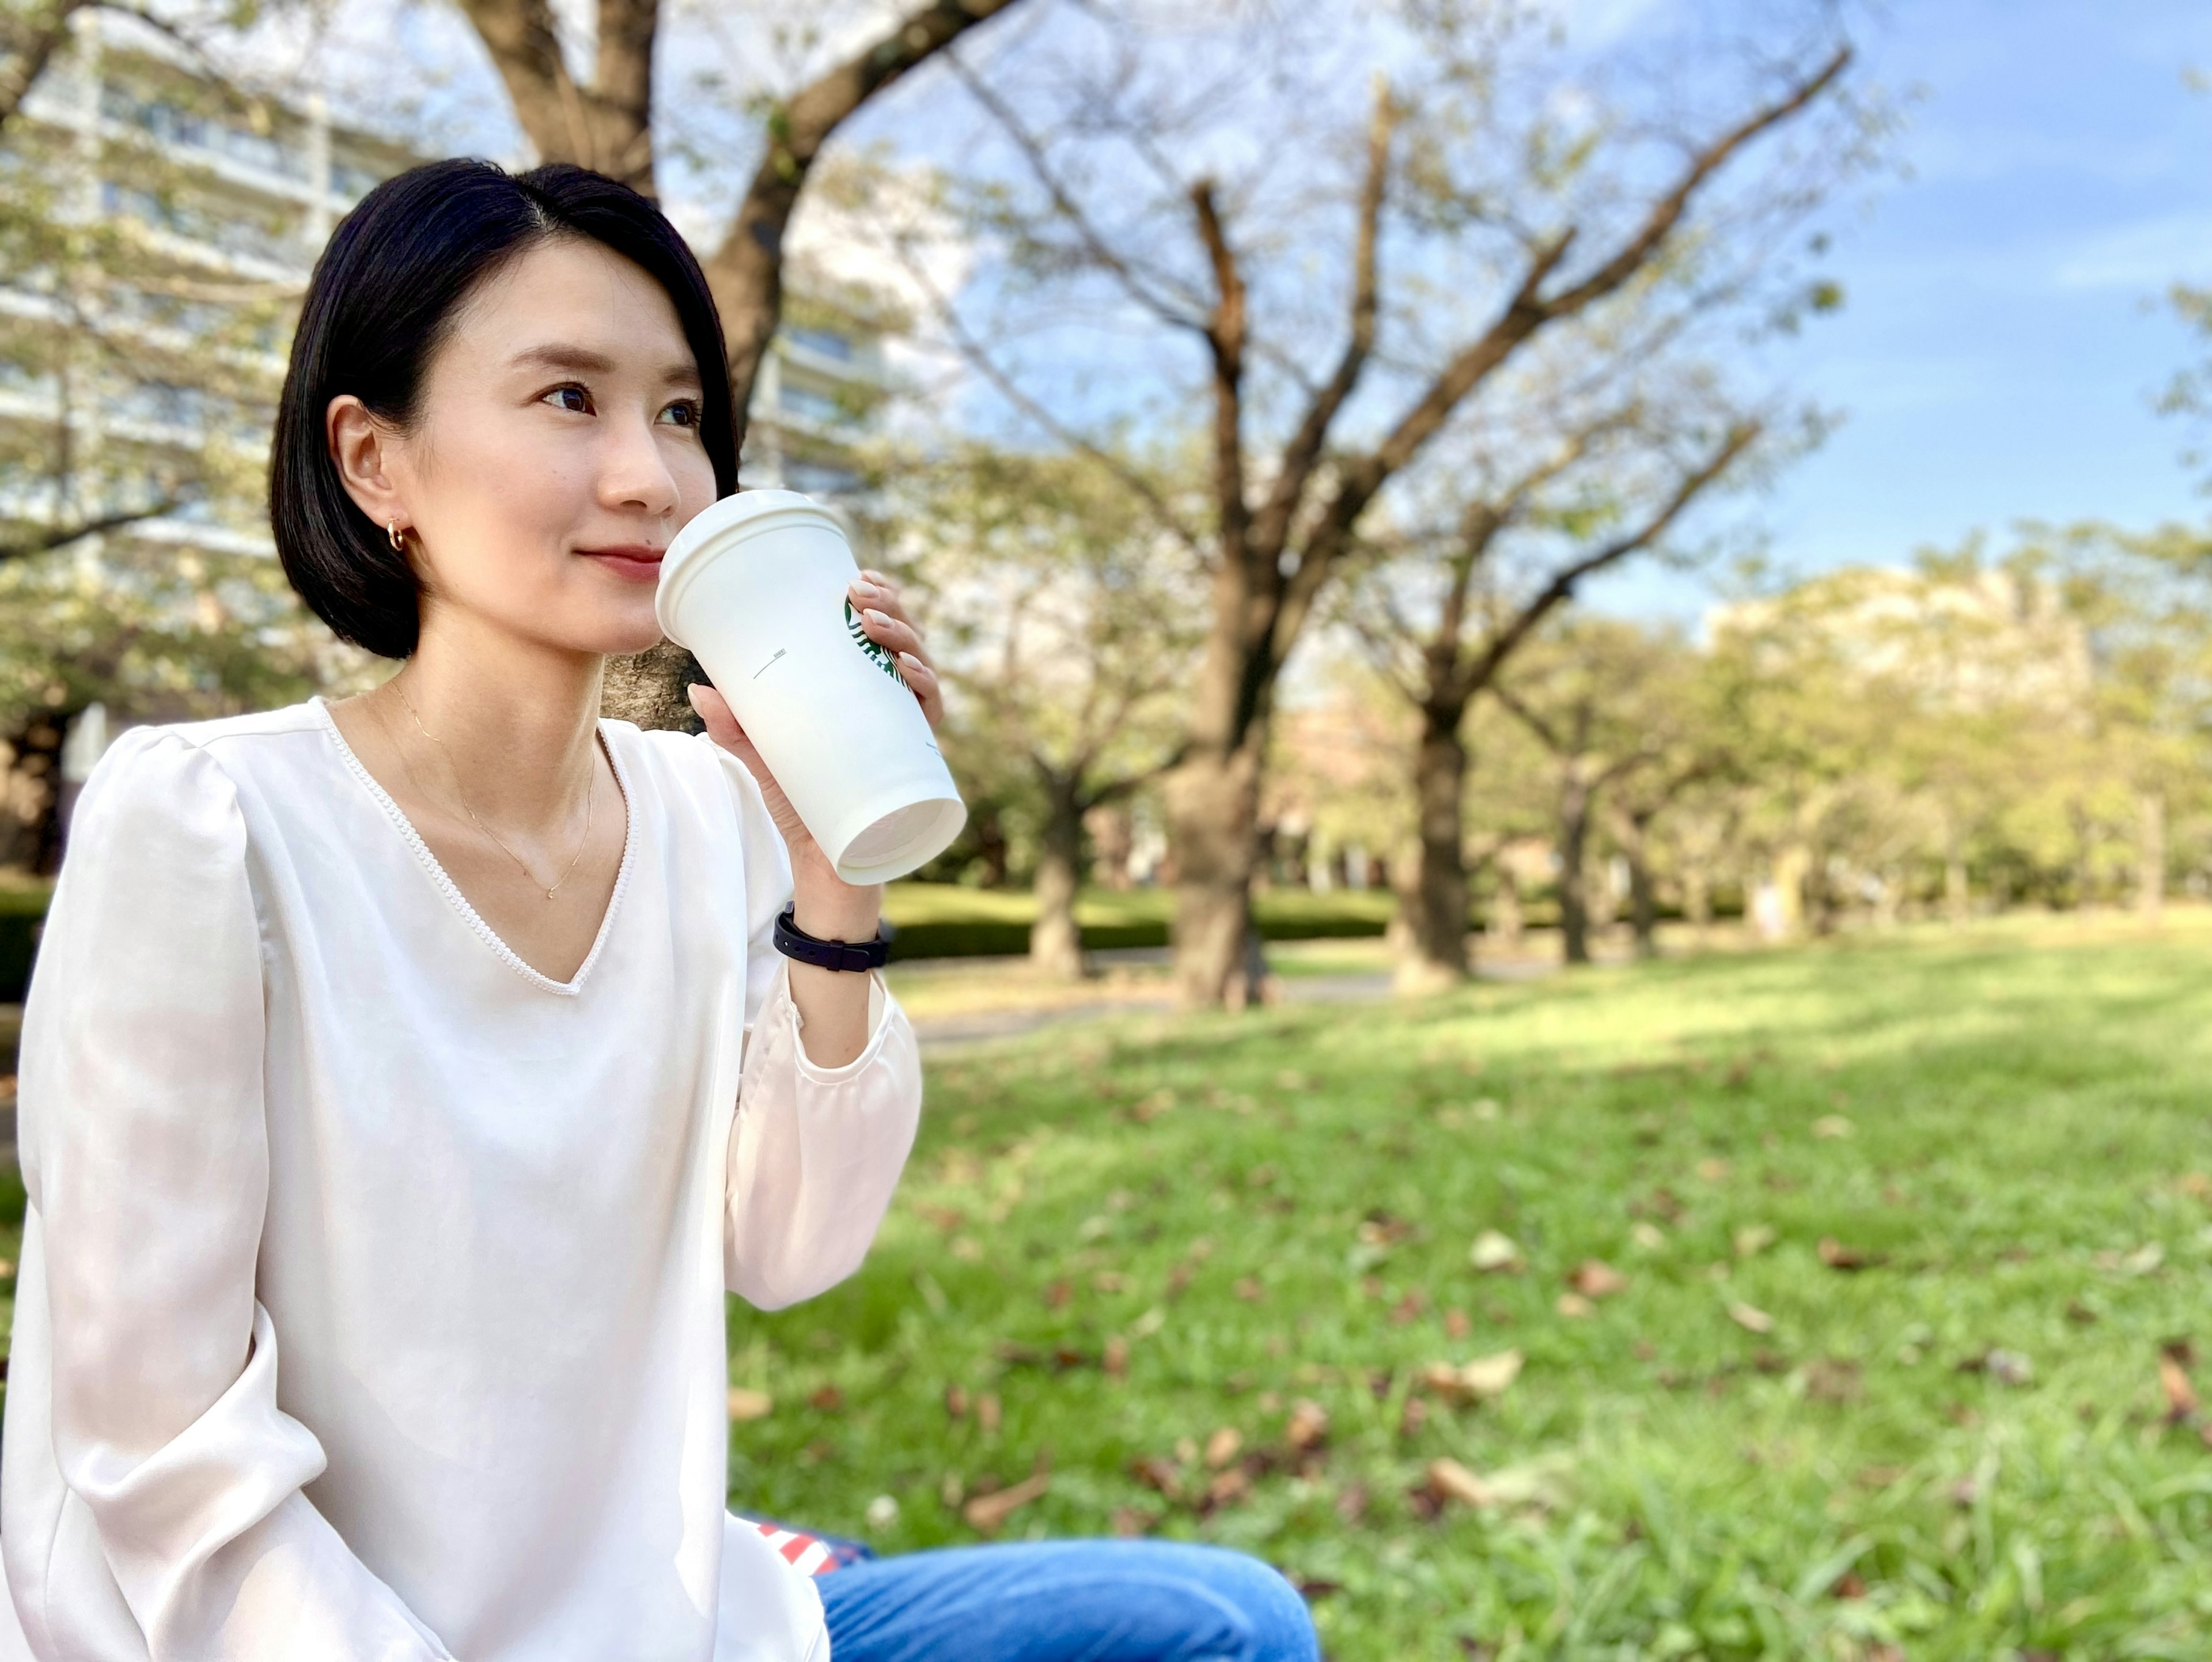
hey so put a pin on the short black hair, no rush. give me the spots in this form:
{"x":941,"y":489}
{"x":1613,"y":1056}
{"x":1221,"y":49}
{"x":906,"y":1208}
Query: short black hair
{"x":381,"y":300}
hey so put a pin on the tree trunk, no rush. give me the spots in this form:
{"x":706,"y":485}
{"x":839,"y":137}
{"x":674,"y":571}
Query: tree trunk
{"x":1212,"y":808}
{"x":1056,"y":943}
{"x":1435,"y":903}
{"x":1643,"y":895}
{"x":1958,"y":898}
{"x":2150,"y":853}
{"x":1698,"y":902}
{"x":1112,"y":840}
{"x":1505,"y":923}
{"x":1574,"y":841}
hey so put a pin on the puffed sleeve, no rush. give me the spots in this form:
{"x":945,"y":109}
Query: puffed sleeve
{"x":145,"y":1156}
{"x":816,"y":1152}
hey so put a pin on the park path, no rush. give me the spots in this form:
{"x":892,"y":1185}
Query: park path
{"x":944,"y":1030}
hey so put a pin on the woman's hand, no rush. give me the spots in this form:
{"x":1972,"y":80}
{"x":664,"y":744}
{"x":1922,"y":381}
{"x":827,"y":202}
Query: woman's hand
{"x":838,"y":910}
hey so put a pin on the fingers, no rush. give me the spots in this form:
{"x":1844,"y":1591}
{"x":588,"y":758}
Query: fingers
{"x":927,"y":690}
{"x":714,"y":710}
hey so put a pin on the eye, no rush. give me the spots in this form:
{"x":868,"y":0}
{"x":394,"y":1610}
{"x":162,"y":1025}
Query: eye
{"x":576,"y":400}
{"x":684,"y":413}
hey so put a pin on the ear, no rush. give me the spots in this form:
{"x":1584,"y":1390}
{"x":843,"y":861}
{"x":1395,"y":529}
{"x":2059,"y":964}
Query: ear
{"x":369,"y":458}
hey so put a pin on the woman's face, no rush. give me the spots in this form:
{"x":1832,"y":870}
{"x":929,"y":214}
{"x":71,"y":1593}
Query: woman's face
{"x":556,"y":453}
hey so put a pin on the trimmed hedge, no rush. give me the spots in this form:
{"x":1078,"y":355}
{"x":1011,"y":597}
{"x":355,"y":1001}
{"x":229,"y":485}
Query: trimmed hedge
{"x":999,"y":925}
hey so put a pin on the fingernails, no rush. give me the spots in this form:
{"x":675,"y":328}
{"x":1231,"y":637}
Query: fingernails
{"x":875,"y":617}
{"x":865,"y":590}
{"x":911,"y":662}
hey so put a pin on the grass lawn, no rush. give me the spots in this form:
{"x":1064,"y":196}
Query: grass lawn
{"x":1123,"y":1247}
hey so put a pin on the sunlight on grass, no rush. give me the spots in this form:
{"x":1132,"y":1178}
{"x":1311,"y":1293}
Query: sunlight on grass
{"x":1949,"y":1177}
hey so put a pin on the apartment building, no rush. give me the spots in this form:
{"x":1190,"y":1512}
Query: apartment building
{"x":213,"y":209}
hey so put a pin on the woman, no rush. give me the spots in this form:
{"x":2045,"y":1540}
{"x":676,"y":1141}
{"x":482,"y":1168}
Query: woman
{"x":406,"y":1078}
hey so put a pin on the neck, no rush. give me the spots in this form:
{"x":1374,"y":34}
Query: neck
{"x":519,"y":720}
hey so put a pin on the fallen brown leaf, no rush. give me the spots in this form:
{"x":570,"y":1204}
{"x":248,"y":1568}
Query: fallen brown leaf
{"x":750,"y":1404}
{"x":1750,"y":1319}
{"x":2173,"y":1378}
{"x":987,"y":1413}
{"x":828,"y":1400}
{"x":1221,"y":1448}
{"x":1837,"y":1256}
{"x":1307,"y":1425}
{"x":1480,"y":1380}
{"x":1450,"y":1481}
{"x":1409,"y":1308}
{"x":1457,"y":1324}
{"x":1248,"y":1289}
{"x":1130,"y":1522}
{"x":1574,"y":1305}
{"x":1352,"y":1504}
{"x":1159,"y":1474}
{"x":1412,"y":1416}
{"x":985,"y":1513}
{"x":1593,"y":1278}
{"x":1115,"y":1360}
{"x":1058,"y":1295}
{"x":955,"y":1402}
{"x":1228,"y":1487}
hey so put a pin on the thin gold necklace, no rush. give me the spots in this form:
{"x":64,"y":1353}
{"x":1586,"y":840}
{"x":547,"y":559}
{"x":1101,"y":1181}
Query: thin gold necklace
{"x":591,"y":801}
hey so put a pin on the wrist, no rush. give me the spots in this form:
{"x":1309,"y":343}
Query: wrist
{"x":828,"y":908}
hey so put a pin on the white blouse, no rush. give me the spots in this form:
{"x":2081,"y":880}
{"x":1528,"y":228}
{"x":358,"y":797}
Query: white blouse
{"x":372,"y":1291}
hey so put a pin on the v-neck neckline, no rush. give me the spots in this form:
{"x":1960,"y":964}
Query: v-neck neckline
{"x":452,"y":890}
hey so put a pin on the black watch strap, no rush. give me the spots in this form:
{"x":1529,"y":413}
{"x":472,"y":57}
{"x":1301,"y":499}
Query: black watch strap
{"x":794,"y":942}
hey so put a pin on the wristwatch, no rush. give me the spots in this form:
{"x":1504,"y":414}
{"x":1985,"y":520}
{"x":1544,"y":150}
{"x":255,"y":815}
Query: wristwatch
{"x":794,"y":942}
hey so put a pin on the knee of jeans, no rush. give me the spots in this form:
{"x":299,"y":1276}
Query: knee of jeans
{"x":1277,"y":1626}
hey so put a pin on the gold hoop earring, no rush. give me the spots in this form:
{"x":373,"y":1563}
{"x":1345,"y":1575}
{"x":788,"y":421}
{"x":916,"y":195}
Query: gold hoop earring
{"x":391,"y":530}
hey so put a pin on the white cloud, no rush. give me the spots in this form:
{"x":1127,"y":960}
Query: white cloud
{"x":2147,"y":254}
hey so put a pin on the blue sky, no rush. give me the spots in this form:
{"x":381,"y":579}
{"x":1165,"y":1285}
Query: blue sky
{"x":2005,"y":335}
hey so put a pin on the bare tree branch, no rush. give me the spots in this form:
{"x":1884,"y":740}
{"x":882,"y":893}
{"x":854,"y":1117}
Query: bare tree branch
{"x":606,"y":127}
{"x":44,"y":542}
{"x":746,"y":272}
{"x":1295,"y":470}
{"x":1666,"y":213}
{"x":1224,"y":335}
{"x":973,"y":353}
{"x":1526,"y":311}
{"x":31,"y":42}
{"x":1561,"y":587}
{"x":1174,"y":312}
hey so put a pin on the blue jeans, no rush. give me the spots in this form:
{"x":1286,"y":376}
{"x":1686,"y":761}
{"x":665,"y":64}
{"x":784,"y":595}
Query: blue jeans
{"x":1067,"y":1601}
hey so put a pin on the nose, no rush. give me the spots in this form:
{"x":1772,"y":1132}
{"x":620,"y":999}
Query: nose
{"x":634,"y":475}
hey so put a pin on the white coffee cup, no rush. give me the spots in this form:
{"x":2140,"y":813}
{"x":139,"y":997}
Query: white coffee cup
{"x":755,"y":587}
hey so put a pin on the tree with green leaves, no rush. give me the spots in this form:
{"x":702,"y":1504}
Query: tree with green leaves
{"x":1064,"y":625}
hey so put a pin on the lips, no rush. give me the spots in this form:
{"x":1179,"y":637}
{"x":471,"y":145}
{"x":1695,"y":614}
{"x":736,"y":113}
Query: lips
{"x":633,"y":561}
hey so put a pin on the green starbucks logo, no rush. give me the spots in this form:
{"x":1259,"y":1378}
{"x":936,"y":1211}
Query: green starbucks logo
{"x":876,"y":651}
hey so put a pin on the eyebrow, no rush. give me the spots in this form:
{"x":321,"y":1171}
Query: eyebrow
{"x":584,"y":361}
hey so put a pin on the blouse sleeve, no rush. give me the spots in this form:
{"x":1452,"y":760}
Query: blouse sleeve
{"x":816,"y":1152}
{"x":146,"y":1160}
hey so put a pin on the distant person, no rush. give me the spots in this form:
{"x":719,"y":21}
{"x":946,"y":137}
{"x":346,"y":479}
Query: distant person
{"x":405,"y":1078}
